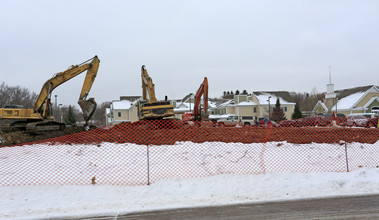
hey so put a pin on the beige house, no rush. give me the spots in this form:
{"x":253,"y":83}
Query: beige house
{"x":363,"y":99}
{"x":123,"y":110}
{"x":258,"y":104}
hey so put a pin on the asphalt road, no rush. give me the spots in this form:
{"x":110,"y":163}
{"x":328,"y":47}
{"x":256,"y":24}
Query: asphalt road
{"x":352,"y":207}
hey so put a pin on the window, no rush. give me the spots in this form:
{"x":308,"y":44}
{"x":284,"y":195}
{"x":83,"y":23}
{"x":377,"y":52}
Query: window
{"x":375,"y":109}
{"x":284,"y":109}
{"x":119,"y":114}
{"x":255,"y":109}
{"x":247,"y":117}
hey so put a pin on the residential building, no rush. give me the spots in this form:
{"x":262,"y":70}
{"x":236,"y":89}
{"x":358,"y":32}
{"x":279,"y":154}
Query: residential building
{"x":364,"y":99}
{"x":258,"y":104}
{"x":123,"y":110}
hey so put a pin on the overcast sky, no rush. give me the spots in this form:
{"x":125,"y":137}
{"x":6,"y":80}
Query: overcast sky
{"x":247,"y":44}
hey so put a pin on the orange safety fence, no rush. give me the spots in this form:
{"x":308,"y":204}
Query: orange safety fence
{"x":149,"y":151}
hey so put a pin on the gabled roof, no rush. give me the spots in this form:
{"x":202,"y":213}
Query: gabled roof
{"x":349,"y":98}
{"x":122,"y":104}
{"x":225,"y":104}
{"x":247,"y":103}
{"x":347,"y":92}
{"x":370,"y":102}
{"x":263,"y":97}
{"x":348,"y":102}
{"x":320,"y":103}
{"x":284,"y":95}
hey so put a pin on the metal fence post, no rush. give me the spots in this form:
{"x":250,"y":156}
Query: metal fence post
{"x":347,"y":161}
{"x":148,"y":166}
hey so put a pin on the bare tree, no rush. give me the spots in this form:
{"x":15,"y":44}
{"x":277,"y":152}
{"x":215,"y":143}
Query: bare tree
{"x":16,"y":95}
{"x":99,"y":115}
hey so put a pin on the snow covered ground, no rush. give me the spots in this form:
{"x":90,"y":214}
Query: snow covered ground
{"x":217,"y":179}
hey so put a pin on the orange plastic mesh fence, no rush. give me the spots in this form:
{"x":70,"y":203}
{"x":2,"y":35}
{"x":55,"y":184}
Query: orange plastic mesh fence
{"x":148,"y":151}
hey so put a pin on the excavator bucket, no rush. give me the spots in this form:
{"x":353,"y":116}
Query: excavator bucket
{"x":88,"y":108}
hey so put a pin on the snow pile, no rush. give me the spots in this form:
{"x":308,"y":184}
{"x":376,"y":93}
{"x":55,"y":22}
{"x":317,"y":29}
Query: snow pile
{"x":48,"y":201}
{"x":111,"y":163}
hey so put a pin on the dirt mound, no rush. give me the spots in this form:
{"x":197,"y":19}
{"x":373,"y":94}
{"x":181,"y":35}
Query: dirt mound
{"x":151,"y":134}
{"x":19,"y":137}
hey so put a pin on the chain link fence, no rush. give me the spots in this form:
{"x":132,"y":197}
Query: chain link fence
{"x":149,"y":151}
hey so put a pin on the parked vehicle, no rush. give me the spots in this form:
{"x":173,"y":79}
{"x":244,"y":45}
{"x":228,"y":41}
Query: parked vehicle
{"x":356,"y":120}
{"x":264,"y":121}
{"x":310,"y":121}
{"x":286,"y":123}
{"x":372,"y":122}
{"x":233,"y":120}
{"x":327,"y":120}
{"x":367,"y":115}
{"x":301,"y":122}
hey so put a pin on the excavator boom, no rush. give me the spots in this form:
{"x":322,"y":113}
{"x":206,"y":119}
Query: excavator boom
{"x":196,"y":113}
{"x":40,"y":117}
{"x":88,"y":106}
{"x":147,"y":86}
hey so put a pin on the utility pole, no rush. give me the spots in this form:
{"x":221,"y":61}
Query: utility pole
{"x":269,"y":108}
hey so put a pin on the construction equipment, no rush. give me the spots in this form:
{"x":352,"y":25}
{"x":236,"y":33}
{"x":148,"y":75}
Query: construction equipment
{"x":149,"y":107}
{"x":40,"y":117}
{"x":196,"y":114}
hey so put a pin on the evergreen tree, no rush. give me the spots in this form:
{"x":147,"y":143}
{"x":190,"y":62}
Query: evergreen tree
{"x":237,"y":92}
{"x":70,"y":118}
{"x":297,"y":113}
{"x":244,"y":92}
{"x":277,"y":113}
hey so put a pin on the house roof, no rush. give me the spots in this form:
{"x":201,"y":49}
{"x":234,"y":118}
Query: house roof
{"x":347,"y":92}
{"x":348,"y":98}
{"x":264,"y":96}
{"x":248,"y":103}
{"x":322,"y":105}
{"x":185,"y":106}
{"x":348,"y":101}
{"x":284,"y":95}
{"x":122,"y":104}
{"x":226,"y":103}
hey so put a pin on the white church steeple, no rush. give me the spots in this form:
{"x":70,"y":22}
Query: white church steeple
{"x":330,"y":87}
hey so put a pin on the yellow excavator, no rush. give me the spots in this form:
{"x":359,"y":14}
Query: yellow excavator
{"x":149,"y":108}
{"x":39,"y":119}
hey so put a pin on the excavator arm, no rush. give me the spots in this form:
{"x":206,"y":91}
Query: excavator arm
{"x":42,"y":105}
{"x":202,"y":91}
{"x":147,"y":86}
{"x":196,"y":114}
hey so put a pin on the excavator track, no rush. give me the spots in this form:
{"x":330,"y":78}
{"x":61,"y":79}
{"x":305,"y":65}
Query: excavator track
{"x":42,"y":126}
{"x":13,"y":126}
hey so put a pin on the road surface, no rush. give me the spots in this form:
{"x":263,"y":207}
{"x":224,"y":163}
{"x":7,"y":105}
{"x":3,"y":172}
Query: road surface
{"x":349,"y":207}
